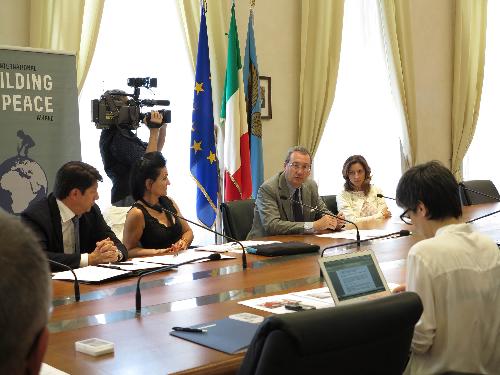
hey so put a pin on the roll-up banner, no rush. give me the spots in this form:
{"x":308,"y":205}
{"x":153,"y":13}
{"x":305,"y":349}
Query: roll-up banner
{"x":38,"y":122}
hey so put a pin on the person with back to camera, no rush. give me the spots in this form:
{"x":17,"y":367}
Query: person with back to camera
{"x":358,"y":201}
{"x":149,"y":229}
{"x":25,"y":287}
{"x":455,"y":270}
{"x":120,"y":148}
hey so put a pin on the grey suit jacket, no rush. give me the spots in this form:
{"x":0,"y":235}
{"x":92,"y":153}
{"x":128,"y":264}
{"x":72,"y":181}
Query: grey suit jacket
{"x":273,"y":212}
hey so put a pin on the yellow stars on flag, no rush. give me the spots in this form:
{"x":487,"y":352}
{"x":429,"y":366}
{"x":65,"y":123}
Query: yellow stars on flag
{"x":198,"y":87}
{"x":196,"y":146}
{"x":211,"y":157}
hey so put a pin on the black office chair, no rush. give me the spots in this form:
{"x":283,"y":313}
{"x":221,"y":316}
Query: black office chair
{"x":370,"y":337}
{"x":469,"y":198}
{"x":331,"y":203}
{"x":237,"y":218}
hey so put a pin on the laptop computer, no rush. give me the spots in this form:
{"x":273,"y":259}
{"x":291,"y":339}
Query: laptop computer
{"x":354,"y":277}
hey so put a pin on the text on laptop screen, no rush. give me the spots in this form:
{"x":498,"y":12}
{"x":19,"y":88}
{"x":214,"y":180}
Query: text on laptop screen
{"x":354,"y":277}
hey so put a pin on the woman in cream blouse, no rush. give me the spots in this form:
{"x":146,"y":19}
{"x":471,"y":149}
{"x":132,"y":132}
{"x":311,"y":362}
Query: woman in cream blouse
{"x":359,"y":201}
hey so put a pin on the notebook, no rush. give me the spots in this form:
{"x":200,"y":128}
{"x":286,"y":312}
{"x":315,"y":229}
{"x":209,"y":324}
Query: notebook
{"x":353,"y":277}
{"x":226,"y":335}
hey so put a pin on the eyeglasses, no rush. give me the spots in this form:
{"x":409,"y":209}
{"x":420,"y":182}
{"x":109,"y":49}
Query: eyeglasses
{"x":405,"y":218}
{"x":297,"y":166}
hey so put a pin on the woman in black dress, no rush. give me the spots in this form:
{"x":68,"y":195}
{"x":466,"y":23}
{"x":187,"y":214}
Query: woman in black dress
{"x":150,"y":228}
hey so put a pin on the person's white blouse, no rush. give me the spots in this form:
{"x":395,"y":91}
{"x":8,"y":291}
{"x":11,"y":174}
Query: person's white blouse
{"x":356,"y":206}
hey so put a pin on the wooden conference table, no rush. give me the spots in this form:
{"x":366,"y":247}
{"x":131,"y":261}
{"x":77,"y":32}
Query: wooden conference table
{"x":194,"y":294}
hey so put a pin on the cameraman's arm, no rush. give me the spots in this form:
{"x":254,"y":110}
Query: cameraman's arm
{"x":161,"y":137}
{"x":156,"y":135}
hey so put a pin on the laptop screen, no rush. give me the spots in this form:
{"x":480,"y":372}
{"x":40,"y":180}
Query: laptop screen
{"x":354,"y":277}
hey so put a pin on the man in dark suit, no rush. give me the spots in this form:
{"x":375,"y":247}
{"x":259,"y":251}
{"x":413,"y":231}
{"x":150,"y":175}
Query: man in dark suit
{"x":68,"y":223}
{"x":276,"y":208}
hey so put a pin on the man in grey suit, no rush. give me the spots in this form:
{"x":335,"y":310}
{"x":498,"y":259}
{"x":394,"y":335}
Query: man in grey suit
{"x":276,"y":211}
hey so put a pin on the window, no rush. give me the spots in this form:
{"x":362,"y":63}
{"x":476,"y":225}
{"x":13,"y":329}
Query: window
{"x":478,"y":163}
{"x":144,"y":39}
{"x":364,"y":118}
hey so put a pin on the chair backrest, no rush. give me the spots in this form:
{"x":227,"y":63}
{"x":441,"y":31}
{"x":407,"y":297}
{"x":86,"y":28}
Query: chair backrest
{"x":370,"y":337}
{"x":237,"y":218}
{"x":331,"y":203}
{"x":484,"y":186}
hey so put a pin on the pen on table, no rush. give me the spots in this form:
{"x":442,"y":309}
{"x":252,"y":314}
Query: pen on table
{"x":109,"y":266}
{"x":187,"y":329}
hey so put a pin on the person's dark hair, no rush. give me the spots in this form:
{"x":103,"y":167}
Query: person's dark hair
{"x":299,"y":149}
{"x":75,"y":174}
{"x":435,"y":186}
{"x":25,"y":288}
{"x":348,"y":186}
{"x":148,"y":166}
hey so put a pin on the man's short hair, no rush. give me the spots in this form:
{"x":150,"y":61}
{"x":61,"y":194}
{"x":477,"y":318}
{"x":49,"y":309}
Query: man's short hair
{"x":299,"y":149}
{"x":435,"y":186}
{"x":75,"y":174}
{"x":25,"y":291}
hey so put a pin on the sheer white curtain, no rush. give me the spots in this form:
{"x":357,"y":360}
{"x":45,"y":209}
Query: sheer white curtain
{"x":145,"y":39}
{"x":480,"y":161}
{"x":364,"y":119}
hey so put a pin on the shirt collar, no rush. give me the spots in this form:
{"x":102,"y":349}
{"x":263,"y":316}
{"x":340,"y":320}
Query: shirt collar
{"x":462,"y":227}
{"x":291,"y":189}
{"x":65,"y":211}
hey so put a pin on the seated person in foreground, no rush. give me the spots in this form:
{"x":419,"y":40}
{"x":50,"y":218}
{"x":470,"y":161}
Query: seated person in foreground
{"x":150,"y":229}
{"x":25,"y":288}
{"x":68,"y":223}
{"x":455,"y":271}
{"x":277,"y":208}
{"x":359,"y":201}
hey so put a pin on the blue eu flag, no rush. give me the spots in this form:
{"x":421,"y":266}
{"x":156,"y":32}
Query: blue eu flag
{"x":204,"y":165}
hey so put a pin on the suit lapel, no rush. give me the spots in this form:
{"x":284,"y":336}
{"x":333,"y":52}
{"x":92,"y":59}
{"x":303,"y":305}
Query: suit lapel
{"x":55,"y":217}
{"x":283,"y":191}
{"x":306,"y":200}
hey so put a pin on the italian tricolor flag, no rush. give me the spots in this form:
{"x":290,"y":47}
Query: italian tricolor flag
{"x":237,"y":175}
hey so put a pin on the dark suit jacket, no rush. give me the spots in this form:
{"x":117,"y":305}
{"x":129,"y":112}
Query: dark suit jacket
{"x":44,"y":218}
{"x":273,"y":210}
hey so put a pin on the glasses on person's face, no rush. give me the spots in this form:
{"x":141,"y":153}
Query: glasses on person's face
{"x":298,"y":166}
{"x":405,"y":217}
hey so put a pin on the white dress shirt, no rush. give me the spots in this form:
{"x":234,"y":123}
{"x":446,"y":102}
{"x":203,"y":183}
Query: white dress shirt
{"x":68,"y":232}
{"x":457,"y":276}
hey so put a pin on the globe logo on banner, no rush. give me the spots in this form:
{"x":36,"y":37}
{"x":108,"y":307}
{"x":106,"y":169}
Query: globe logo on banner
{"x":22,"y":180}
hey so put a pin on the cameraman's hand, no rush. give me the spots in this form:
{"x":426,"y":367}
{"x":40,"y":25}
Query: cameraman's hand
{"x":156,"y":118}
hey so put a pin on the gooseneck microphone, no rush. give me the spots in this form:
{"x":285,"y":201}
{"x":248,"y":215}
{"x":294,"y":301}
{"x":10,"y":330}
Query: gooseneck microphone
{"x":161,"y":208}
{"x":358,"y":238}
{"x":385,"y":196}
{"x":76,"y":285}
{"x":214,"y":256}
{"x":401,"y":233}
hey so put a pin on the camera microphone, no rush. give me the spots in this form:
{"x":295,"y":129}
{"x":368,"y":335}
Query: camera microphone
{"x":152,"y":102}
